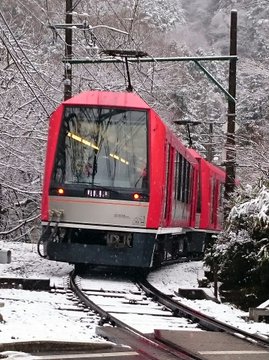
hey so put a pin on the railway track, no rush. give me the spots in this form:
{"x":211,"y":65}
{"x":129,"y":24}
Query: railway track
{"x":205,"y":322}
{"x":153,"y":325}
{"x":117,"y":324}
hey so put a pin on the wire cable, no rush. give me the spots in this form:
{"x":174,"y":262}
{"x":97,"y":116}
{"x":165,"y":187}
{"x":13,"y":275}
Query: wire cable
{"x":23,"y":76}
{"x":26,"y":57}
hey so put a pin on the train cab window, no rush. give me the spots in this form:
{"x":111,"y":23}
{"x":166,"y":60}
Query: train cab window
{"x":104,"y":147}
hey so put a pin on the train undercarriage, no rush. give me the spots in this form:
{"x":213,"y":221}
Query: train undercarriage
{"x":141,"y":250}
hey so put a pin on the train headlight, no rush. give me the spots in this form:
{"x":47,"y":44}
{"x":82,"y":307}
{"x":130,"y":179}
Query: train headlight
{"x":137,"y":196}
{"x":60,"y":191}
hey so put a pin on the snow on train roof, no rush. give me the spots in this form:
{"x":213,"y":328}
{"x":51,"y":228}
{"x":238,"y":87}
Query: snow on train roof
{"x":108,"y":98}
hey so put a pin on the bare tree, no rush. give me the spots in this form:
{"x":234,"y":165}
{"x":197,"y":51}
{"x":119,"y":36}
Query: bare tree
{"x":32,"y":81}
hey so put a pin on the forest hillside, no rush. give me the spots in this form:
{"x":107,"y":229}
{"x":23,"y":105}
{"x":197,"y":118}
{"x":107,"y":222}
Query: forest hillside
{"x":32,"y":78}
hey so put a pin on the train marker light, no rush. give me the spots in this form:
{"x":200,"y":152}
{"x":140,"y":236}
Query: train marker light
{"x":136,"y":196}
{"x":60,"y":191}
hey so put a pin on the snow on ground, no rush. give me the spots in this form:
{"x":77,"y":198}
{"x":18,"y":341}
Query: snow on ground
{"x":35,"y":315}
{"x":183,"y":275}
{"x":186,"y":275}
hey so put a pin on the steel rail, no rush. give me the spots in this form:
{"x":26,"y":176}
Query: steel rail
{"x":205,"y":321}
{"x":156,"y":349}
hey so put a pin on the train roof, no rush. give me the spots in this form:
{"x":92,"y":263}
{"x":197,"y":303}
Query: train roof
{"x":108,"y":99}
{"x":194,"y":153}
{"x":213,"y":167}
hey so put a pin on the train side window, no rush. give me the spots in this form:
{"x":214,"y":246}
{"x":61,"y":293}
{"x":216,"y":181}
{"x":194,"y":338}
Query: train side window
{"x":184,"y":182}
{"x":180,"y":177}
{"x":177,"y":176}
{"x":220,"y":203}
{"x":183,"y":179}
{"x":212,"y":200}
{"x":168,"y":164}
{"x":221,"y":195}
{"x":188,"y":183}
{"x":198,"y":209}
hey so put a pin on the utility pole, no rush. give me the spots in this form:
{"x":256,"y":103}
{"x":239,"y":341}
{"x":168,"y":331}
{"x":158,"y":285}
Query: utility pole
{"x":68,"y":51}
{"x":136,"y":57}
{"x":230,"y":140}
{"x":209,"y":146}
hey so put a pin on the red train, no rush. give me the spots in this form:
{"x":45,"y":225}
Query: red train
{"x":120,"y":189}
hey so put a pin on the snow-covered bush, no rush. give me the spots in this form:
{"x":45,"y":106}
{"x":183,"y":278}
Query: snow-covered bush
{"x":252,"y":213}
{"x":240,"y":254}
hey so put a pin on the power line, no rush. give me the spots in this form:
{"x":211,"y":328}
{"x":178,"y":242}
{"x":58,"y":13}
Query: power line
{"x":22,"y":74}
{"x":31,"y":12}
{"x":19,"y":63}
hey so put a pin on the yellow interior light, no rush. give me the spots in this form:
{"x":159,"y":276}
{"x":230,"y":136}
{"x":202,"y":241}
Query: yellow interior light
{"x":116,"y":157}
{"x":90,"y":144}
{"x":83,"y":141}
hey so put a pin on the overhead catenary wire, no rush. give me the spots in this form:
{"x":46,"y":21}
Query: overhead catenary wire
{"x":135,"y":67}
{"x":150,"y":93}
{"x":123,"y":74}
{"x":86,"y":68}
{"x":133,"y":17}
{"x":76,"y":4}
{"x":24,"y":77}
{"x":152,"y":81}
{"x":111,"y":34}
{"x":100,"y":44}
{"x":31,"y":12}
{"x":97,"y":41}
{"x":18,"y":62}
{"x":130,"y":38}
{"x":25,"y":56}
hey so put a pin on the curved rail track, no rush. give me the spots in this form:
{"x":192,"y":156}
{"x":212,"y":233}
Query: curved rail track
{"x":121,"y":305}
{"x":144,"y":344}
{"x":155,"y":347}
{"x":206,"y":322}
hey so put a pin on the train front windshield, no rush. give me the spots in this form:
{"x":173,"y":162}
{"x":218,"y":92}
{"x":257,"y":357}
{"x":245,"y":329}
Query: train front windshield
{"x":103,"y":147}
